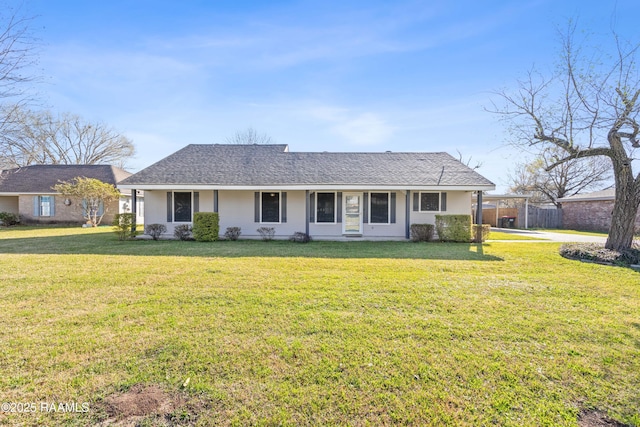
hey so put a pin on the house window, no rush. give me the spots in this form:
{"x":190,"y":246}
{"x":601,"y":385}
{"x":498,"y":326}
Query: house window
{"x":433,"y":202}
{"x":270,"y":207}
{"x":182,"y":207}
{"x":46,"y":203}
{"x":89,"y":210}
{"x":379,"y":212}
{"x":326,"y":207}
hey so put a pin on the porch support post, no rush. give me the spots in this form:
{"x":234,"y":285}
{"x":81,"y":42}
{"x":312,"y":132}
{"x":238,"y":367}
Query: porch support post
{"x":134,"y":208}
{"x":306,"y":212}
{"x":526,"y":213}
{"x":407,"y":215}
{"x":479,"y":209}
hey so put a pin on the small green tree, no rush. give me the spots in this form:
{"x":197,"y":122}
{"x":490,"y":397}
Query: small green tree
{"x":93,"y":193}
{"x":123,"y":224}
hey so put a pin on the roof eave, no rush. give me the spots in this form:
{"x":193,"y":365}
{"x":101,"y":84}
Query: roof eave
{"x":293,"y":187}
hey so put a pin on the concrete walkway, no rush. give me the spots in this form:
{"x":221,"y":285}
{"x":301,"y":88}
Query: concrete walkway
{"x":549,"y":236}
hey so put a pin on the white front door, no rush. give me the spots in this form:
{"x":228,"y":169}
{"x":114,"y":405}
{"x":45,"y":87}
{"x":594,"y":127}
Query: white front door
{"x":352,"y":215}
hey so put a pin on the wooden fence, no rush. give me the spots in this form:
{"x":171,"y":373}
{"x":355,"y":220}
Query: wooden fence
{"x":541,"y":218}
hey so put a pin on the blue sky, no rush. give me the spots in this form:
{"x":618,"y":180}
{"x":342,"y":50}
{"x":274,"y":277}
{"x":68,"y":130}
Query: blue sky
{"x":317,"y":75}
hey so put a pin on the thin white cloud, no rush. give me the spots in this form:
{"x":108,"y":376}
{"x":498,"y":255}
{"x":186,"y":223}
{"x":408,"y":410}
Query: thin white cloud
{"x":354,"y":128}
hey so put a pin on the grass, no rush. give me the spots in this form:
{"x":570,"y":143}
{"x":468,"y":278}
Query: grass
{"x":500,"y":235}
{"x":583,"y":233}
{"x":326,"y":333}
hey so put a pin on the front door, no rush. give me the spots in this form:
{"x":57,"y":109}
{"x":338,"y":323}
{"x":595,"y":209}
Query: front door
{"x":352,"y":223}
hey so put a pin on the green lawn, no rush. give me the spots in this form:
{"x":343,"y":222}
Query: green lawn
{"x":583,"y":233}
{"x":325,"y":333}
{"x":500,"y":235}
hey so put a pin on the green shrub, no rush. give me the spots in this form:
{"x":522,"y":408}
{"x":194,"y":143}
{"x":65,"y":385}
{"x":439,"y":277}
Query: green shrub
{"x":481,"y":232}
{"x":206,"y":226}
{"x":183,"y":232}
{"x":266,"y":233}
{"x":155,"y":230}
{"x":421,"y":232}
{"x":8,"y":219}
{"x":232,"y":233}
{"x":123,"y":224}
{"x":453,"y":228}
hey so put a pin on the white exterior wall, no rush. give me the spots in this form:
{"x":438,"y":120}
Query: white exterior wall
{"x":391,"y":230}
{"x":236,"y":209}
{"x":155,"y":209}
{"x":458,"y":203}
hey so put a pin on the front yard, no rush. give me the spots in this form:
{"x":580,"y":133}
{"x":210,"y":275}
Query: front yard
{"x":325,"y":333}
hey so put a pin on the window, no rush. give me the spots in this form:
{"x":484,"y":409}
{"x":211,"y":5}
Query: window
{"x":182,"y":207}
{"x":89,"y":210}
{"x":270,"y":207}
{"x":379,"y":208}
{"x":430,"y":202}
{"x":325,"y":207}
{"x":46,"y":205}
{"x":433,"y":202}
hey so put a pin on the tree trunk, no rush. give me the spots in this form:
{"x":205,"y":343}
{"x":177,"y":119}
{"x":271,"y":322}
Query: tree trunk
{"x":622,"y":222}
{"x":626,"y":203}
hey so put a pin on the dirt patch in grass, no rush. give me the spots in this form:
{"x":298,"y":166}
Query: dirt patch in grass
{"x":152,"y":404}
{"x":595,"y":418}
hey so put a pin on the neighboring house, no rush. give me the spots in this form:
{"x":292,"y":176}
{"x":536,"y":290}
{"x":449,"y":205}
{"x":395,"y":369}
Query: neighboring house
{"x":326,"y":195}
{"x":28,"y":191}
{"x":590,"y":211}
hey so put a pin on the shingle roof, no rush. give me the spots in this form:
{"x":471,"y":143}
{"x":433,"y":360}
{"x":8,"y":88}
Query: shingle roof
{"x":264,"y":165}
{"x":609,"y":194}
{"x":40,"y":178}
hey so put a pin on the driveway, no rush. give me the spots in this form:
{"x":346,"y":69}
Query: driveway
{"x":550,"y":236}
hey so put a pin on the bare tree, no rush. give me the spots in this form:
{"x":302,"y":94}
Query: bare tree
{"x":467,"y":162}
{"x":40,"y":138}
{"x":567,"y":179}
{"x":589,"y":107}
{"x":17,"y":52}
{"x":17,"y":55}
{"x":250,"y":136}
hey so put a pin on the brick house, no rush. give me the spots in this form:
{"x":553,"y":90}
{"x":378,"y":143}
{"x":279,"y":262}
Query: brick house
{"x":28,"y":192}
{"x":590,"y":211}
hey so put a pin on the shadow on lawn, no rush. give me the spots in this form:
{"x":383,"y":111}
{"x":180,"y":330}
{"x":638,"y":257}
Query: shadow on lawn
{"x":106,"y":244}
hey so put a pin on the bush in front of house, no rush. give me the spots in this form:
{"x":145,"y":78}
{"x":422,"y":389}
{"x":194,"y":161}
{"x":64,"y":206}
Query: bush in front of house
{"x":206,"y":226}
{"x":183,"y":232}
{"x":453,"y":228}
{"x":266,"y":233}
{"x":595,"y":252}
{"x":8,"y":219}
{"x":300,"y":237}
{"x":481,"y":232}
{"x":232,"y":233}
{"x":123,"y":223}
{"x":421,"y":232}
{"x":155,"y":230}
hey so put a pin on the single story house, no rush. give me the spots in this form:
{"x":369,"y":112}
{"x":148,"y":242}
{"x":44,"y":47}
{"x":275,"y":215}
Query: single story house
{"x":326,"y":195}
{"x":590,"y":211}
{"x":28,"y":192}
